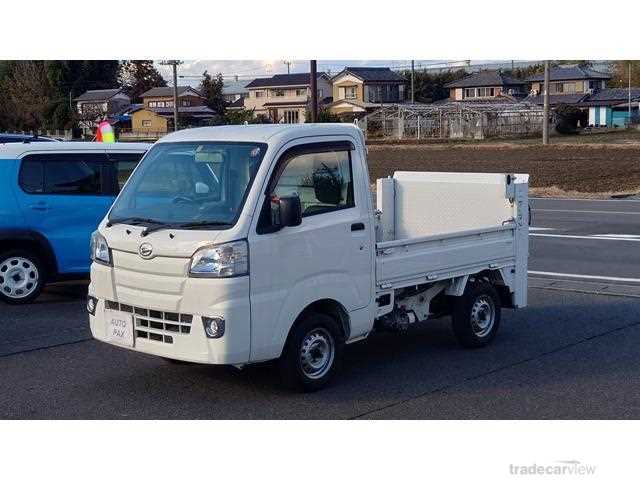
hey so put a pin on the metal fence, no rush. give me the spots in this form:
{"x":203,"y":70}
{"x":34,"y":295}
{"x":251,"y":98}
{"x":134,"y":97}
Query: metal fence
{"x":453,"y":120}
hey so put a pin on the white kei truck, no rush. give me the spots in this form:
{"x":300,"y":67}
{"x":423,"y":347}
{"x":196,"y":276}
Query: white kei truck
{"x":242,"y":244}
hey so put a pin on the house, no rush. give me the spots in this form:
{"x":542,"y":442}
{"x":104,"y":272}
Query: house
{"x":567,"y":85}
{"x":610,"y":107}
{"x":234,"y":91}
{"x":358,"y":90}
{"x":155,"y":118}
{"x":284,"y":98}
{"x":487,"y":86}
{"x":95,"y":105}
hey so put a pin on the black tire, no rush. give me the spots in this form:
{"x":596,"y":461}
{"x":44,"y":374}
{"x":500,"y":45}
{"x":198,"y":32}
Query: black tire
{"x":476,"y":315}
{"x":22,"y":276}
{"x":307,"y":363}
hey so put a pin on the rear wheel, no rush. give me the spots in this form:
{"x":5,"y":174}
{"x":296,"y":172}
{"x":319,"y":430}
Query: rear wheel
{"x":22,"y":276}
{"x":313,"y":353}
{"x":476,"y":315}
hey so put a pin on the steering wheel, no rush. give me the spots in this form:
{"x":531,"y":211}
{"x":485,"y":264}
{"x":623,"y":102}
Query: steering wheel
{"x":183,"y":199}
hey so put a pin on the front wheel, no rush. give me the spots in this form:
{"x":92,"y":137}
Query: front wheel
{"x":313,"y":353}
{"x":22,"y":276}
{"x":476,"y":315}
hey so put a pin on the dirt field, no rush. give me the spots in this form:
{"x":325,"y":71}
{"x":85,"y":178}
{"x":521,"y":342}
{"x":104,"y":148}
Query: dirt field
{"x":589,"y":170}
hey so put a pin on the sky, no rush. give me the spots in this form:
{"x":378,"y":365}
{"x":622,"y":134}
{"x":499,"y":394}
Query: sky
{"x":248,"y":69}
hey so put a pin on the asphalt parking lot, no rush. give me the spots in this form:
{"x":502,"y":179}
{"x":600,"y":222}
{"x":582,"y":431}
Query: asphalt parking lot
{"x":571,"y":354}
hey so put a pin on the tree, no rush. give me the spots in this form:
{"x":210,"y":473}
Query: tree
{"x":26,"y":92}
{"x":620,"y":73}
{"x":567,"y":118}
{"x":238,"y":117}
{"x":39,"y":94}
{"x":430,"y":86}
{"x":324,"y":116}
{"x":137,"y":76}
{"x":211,"y":88}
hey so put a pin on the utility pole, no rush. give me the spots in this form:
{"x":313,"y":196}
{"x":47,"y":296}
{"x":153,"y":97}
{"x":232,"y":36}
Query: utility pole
{"x":314,"y":91}
{"x":545,"y":111}
{"x":288,"y":64}
{"x":629,"y":93}
{"x":174,"y":64}
{"x":413,"y":96}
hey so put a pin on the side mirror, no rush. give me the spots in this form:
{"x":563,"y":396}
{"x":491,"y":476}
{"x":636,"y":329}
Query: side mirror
{"x":285,"y":212}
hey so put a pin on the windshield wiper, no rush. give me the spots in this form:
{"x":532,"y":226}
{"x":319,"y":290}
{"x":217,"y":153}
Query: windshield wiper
{"x":132,"y":221}
{"x":204,"y":223}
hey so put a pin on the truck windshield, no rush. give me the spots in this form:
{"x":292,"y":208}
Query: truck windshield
{"x":202,"y":185}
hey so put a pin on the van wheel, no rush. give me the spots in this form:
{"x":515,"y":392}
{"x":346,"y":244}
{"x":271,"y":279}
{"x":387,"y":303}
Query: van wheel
{"x":476,"y":315}
{"x":22,"y":276}
{"x":313,"y":353}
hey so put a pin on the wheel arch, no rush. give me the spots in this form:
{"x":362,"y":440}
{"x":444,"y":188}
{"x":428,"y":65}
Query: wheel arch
{"x":330,"y":307}
{"x":29,"y":239}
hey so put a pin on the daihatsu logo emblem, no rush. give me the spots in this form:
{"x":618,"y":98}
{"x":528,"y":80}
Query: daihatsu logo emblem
{"x":145,"y":250}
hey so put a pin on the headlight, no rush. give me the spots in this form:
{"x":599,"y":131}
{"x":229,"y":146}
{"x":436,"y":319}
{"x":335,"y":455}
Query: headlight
{"x":99,"y":249}
{"x":221,"y":261}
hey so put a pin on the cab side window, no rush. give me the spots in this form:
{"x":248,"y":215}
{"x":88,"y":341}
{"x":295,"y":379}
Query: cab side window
{"x":323,"y":181}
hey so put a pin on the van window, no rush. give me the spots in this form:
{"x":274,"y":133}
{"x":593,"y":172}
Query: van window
{"x":63,"y":173}
{"x":125,"y":163}
{"x":73,"y":177}
{"x":31,"y":177}
{"x":322,"y":180}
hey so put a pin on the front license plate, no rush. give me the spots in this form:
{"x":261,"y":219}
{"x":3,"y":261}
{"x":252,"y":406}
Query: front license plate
{"x":120,"y":328}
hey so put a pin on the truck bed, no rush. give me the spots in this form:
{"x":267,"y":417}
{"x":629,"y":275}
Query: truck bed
{"x":405,"y":262}
{"x":435,"y":226}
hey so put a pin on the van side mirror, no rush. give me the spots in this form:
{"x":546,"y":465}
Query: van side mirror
{"x":285,"y":212}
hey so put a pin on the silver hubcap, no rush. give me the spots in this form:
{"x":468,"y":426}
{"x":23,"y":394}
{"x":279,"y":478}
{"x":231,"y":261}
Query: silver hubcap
{"x":317,"y":353}
{"x":482,"y":316}
{"x":18,"y":277}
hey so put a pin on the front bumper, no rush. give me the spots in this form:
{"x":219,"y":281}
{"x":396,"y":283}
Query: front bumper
{"x":176,"y":330}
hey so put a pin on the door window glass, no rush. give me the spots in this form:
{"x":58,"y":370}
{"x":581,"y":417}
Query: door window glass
{"x":322,"y":180}
{"x":31,"y":176}
{"x":73,"y":174}
{"x":125,"y":163}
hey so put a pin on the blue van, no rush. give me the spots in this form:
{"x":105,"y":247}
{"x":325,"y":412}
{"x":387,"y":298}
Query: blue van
{"x":52,"y":197}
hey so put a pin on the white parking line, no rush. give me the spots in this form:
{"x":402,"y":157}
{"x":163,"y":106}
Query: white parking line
{"x":618,"y":235}
{"x":585,"y":211}
{"x":588,"y":277}
{"x":585,"y":199}
{"x":587,"y":237}
{"x":540,"y":229}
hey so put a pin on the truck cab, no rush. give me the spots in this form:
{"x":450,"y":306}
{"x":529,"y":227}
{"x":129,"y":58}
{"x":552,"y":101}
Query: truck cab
{"x":242,"y":244}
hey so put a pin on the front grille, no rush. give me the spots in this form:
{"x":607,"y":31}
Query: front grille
{"x":155,"y":324}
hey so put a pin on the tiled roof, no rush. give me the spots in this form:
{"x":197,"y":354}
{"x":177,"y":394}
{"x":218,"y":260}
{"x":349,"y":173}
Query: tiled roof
{"x":168,"y":91}
{"x":570,"y":73}
{"x":98,"y":95}
{"x":609,"y":94}
{"x":570,"y":98}
{"x":284,"y":80}
{"x":485,"y":78}
{"x":285,"y":104}
{"x":200,"y":109}
{"x":373,"y":74}
{"x":239,"y":103}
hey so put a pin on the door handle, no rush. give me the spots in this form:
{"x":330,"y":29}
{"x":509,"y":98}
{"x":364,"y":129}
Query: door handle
{"x":41,"y":206}
{"x":355,"y":227}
